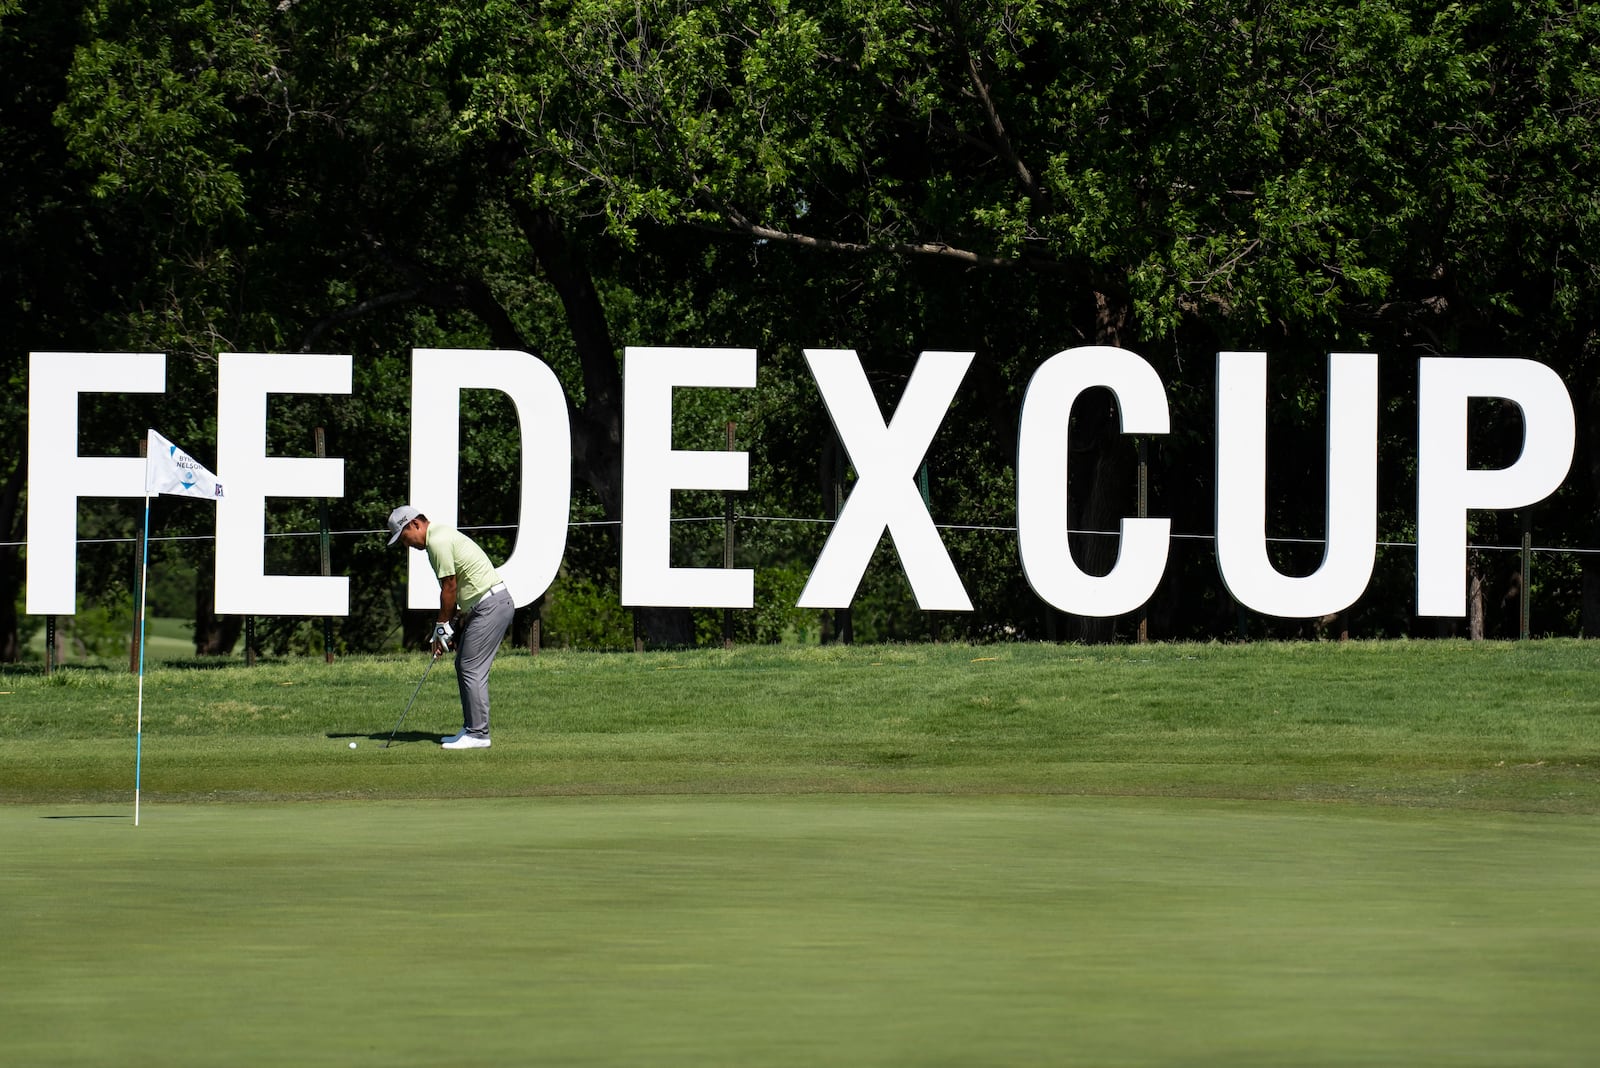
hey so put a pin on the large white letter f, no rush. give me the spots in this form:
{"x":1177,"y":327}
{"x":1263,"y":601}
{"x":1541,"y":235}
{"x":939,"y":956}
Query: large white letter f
{"x":885,"y":495}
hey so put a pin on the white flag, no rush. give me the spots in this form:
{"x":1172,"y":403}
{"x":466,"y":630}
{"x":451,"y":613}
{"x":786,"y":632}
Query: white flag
{"x":168,"y":469}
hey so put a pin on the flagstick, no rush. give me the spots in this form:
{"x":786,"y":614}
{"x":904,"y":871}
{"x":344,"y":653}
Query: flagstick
{"x":166,"y":470}
{"x":144,"y":582}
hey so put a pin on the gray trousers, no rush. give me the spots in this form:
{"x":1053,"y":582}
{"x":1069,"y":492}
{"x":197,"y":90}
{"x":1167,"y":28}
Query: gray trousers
{"x":481,"y":633}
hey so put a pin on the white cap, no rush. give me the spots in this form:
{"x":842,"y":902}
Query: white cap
{"x":398,"y":520}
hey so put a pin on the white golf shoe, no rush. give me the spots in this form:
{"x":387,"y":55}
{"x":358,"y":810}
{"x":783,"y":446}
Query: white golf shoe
{"x":465,"y":741}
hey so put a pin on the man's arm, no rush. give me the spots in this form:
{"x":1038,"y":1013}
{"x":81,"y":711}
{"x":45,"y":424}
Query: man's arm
{"x":447,"y":598}
{"x":447,"y":609}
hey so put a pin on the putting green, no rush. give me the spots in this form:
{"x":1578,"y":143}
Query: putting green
{"x":815,"y":930}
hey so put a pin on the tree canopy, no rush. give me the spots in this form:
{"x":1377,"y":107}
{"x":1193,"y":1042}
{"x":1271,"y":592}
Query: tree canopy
{"x":1409,"y":178}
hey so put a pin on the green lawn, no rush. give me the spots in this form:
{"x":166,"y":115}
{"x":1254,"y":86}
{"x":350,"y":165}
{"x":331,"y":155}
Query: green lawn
{"x":1500,"y":726}
{"x":1383,"y":854}
{"x":166,"y":639}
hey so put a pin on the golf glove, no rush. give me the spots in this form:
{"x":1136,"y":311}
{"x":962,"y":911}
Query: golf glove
{"x":442,"y":634}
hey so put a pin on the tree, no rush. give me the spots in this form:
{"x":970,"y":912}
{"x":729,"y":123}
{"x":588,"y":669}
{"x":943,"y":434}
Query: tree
{"x":53,"y":266}
{"x":1012,"y":178}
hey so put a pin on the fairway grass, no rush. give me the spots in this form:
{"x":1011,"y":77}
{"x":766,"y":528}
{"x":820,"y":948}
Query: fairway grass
{"x":798,"y":931}
{"x":1351,"y":854}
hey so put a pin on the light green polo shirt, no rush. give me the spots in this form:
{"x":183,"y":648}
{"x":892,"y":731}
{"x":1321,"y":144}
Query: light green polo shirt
{"x":451,"y":552}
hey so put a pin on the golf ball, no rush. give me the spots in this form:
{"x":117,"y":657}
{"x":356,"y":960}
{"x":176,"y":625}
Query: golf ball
{"x":352,"y":745}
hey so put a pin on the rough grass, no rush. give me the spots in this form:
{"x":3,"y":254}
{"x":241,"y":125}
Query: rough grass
{"x":1504,"y":726}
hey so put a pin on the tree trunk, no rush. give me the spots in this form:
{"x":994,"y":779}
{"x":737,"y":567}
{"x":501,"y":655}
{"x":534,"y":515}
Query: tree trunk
{"x":1097,"y":553}
{"x":217,"y":635}
{"x":597,"y":425}
{"x":10,"y":586}
{"x":1109,"y":479}
{"x":836,"y":624}
{"x":10,"y":557}
{"x":1510,"y":608}
{"x":1589,"y":457}
{"x":416,"y":627}
{"x":527,"y":624}
{"x":1474,"y":601}
{"x":214,"y":635}
{"x":1589,"y":621}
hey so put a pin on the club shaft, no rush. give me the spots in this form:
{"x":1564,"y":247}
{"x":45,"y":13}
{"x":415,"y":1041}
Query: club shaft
{"x":407,"y":712}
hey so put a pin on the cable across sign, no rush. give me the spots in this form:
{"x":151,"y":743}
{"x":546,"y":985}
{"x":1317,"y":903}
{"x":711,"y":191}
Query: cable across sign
{"x":883,"y":499}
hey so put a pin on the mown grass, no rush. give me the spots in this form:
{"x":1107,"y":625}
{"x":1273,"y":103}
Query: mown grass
{"x":1513,"y":726}
{"x":861,"y":930}
{"x":1352,"y":854}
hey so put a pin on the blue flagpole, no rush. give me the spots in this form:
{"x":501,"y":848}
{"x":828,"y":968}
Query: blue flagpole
{"x":144,"y":582}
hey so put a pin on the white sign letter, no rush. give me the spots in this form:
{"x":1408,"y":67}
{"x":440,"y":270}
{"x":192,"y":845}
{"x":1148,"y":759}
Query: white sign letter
{"x":652,"y":469}
{"x":243,"y":382}
{"x":1447,"y":488}
{"x":885,"y":493}
{"x":437,"y":378}
{"x":1042,"y":520}
{"x":1352,"y":490}
{"x":58,"y":476}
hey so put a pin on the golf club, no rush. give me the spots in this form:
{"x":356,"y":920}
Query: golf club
{"x":431,"y":661}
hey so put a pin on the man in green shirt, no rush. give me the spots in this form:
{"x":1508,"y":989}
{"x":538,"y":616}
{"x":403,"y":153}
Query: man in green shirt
{"x":469,"y":582}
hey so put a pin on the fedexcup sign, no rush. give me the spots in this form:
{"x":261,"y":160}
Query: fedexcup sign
{"x":885,"y":457}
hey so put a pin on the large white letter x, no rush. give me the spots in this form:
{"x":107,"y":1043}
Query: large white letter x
{"x":885,"y":495}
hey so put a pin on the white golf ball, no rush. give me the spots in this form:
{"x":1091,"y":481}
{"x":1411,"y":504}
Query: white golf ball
{"x":352,"y":745}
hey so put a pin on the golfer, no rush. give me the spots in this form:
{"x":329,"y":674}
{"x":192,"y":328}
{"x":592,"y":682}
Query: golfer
{"x":467,"y":581}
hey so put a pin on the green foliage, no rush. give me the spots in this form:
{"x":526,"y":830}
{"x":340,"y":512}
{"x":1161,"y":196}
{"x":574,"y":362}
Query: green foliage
{"x":775,"y":619}
{"x":27,"y":626}
{"x":170,"y":584}
{"x":1013,"y":178}
{"x":152,"y":101}
{"x":580,"y":613}
{"x":100,"y":628}
{"x":1261,"y":165}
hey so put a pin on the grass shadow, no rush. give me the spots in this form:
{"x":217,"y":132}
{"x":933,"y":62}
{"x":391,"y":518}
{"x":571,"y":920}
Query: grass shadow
{"x":200,"y":663}
{"x":37,"y":670}
{"x":383,"y":736}
{"x":215,"y":663}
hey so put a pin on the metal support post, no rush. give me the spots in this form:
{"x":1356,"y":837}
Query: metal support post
{"x":1525,"y":599}
{"x":727,"y":550}
{"x":327,"y":549}
{"x":139,"y":552}
{"x":1144,"y":513}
